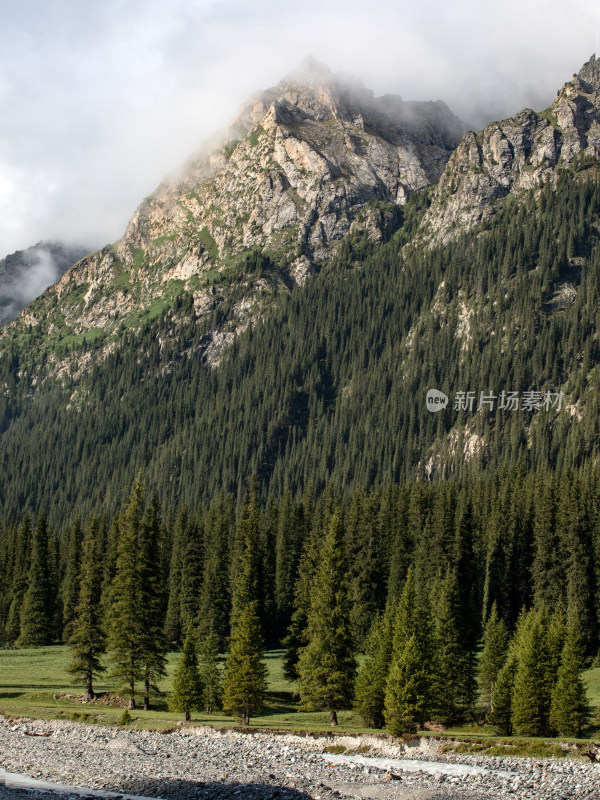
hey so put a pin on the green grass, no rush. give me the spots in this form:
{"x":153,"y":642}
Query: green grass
{"x":208,"y":243}
{"x":33,"y":682}
{"x":592,"y":684}
{"x":254,"y":137}
{"x":161,"y":240}
{"x":123,"y":279}
{"x":91,"y":336}
{"x":138,"y":259}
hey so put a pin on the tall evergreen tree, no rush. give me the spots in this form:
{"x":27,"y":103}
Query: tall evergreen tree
{"x":70,"y":583}
{"x":246,"y":566}
{"x":125,"y":623}
{"x":411,"y":687}
{"x":371,"y":680}
{"x":244,"y":680}
{"x":454,"y":660}
{"x":532,"y":687}
{"x":409,"y":695}
{"x":468,"y":577}
{"x":327,"y":665}
{"x":210,"y":674}
{"x":174,"y":628}
{"x":214,"y":602}
{"x":192,"y":565}
{"x":569,"y":706}
{"x":20,"y":571}
{"x":87,"y":641}
{"x":501,"y":712}
{"x":366,"y":587}
{"x":36,"y":612}
{"x":296,"y":636}
{"x":187,"y":686}
{"x":152,"y":644}
{"x":287,"y":554}
{"x":493,"y":656}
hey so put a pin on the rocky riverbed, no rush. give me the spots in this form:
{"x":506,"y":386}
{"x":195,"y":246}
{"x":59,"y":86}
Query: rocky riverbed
{"x":205,"y":763}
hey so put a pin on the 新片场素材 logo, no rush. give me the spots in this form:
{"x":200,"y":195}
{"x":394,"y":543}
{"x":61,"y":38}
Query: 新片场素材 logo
{"x":531,"y":400}
{"x":436,"y":400}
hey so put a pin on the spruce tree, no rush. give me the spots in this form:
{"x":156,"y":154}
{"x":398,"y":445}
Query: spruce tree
{"x":21,"y":562}
{"x":152,"y":645}
{"x":493,"y":655}
{"x":532,"y":688}
{"x":287,"y":553}
{"x":245,"y":567}
{"x":70,"y":583}
{"x":215,"y":601}
{"x":411,"y":687}
{"x":245,"y":678}
{"x":501,"y":711}
{"x":173,"y":623}
{"x":453,"y":653}
{"x":125,"y":623}
{"x":569,"y":707}
{"x":327,"y":665}
{"x":192,"y":561}
{"x":408,"y":696}
{"x":366,"y":588}
{"x":467,"y":582}
{"x":369,"y":700}
{"x":87,"y":641}
{"x":187,"y":686}
{"x":296,"y":635}
{"x":555,"y":638}
{"x":36,"y":611}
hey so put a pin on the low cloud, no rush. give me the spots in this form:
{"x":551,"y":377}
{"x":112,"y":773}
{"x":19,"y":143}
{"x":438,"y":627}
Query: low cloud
{"x":99,"y":101}
{"x":36,"y":272}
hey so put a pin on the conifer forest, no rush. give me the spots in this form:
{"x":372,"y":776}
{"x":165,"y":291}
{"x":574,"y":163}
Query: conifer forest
{"x":299,"y":495}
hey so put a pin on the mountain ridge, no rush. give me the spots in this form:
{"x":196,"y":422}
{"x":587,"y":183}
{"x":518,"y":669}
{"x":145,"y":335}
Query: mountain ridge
{"x":519,"y":153}
{"x":310,"y":380}
{"x":319,"y":158}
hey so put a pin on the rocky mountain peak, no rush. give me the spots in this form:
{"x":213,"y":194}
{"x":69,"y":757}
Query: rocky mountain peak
{"x":519,"y":153}
{"x":302,"y":165}
{"x":589,"y":75}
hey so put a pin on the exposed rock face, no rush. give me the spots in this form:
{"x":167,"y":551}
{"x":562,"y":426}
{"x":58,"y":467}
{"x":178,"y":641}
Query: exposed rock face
{"x":300,"y":166}
{"x":26,"y":273}
{"x":313,"y":152}
{"x":517,"y":153}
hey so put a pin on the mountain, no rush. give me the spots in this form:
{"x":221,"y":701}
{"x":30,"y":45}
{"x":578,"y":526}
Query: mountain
{"x":25,"y":274}
{"x":246,"y":325}
{"x":517,"y":154}
{"x":302,"y":166}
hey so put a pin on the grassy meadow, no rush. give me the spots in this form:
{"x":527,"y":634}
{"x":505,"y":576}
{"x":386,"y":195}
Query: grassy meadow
{"x":34,"y":683}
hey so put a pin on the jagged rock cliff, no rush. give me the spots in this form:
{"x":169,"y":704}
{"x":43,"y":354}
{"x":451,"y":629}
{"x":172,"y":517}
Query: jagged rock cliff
{"x":308,"y":157}
{"x":518,"y":153}
{"x":300,"y":167}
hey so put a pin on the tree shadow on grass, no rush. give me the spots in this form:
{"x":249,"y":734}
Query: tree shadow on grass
{"x":279,"y":703}
{"x":44,"y":687}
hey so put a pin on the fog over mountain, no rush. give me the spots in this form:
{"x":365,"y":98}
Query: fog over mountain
{"x":26,"y":273}
{"x":99,"y":101}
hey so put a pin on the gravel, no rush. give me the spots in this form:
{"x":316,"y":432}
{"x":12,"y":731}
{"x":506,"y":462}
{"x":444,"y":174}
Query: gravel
{"x":200,"y":762}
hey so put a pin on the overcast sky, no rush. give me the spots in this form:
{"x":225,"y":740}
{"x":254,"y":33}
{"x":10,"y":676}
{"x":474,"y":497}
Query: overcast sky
{"x":99,"y":99}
